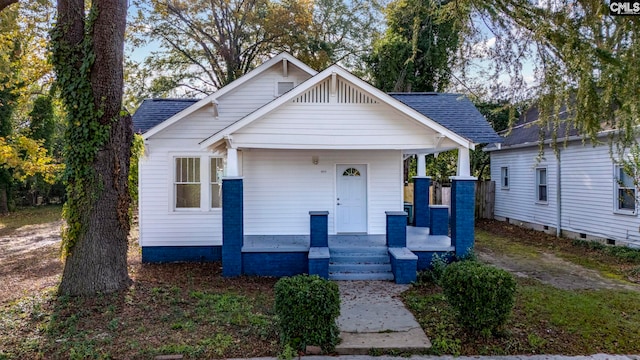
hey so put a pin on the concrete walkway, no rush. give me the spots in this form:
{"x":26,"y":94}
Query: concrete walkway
{"x":372,"y":316}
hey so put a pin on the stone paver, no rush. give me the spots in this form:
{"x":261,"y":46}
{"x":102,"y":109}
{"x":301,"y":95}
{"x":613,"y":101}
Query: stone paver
{"x":372,"y":316}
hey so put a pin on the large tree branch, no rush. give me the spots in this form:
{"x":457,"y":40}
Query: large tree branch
{"x":194,"y":61}
{"x":5,"y":3}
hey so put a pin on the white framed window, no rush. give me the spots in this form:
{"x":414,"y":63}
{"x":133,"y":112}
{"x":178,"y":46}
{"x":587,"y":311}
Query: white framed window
{"x":215,"y":181}
{"x":541,"y":185}
{"x":283,"y":86}
{"x":504,"y":177}
{"x":625,"y":192}
{"x":187,"y":183}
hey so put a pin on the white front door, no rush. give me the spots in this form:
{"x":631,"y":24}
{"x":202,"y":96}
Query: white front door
{"x":351,"y":199}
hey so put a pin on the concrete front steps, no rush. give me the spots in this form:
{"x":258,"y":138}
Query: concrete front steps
{"x":359,"y":263}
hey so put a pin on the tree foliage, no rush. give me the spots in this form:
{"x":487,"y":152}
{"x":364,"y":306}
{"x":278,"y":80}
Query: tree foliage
{"x":417,"y":50}
{"x":25,"y":157}
{"x":204,"y":45}
{"x":42,"y":121}
{"x":586,"y":62}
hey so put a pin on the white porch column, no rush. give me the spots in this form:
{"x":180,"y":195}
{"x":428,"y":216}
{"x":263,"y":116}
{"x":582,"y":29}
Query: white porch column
{"x":232,"y":162}
{"x":422,"y":165}
{"x":464,"y":163}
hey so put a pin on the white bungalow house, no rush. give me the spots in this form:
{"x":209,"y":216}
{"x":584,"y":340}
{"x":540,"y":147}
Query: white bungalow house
{"x":582,"y":193}
{"x":287,"y":170}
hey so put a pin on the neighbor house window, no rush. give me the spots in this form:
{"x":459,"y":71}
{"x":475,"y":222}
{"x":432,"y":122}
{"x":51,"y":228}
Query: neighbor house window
{"x":541,"y":185}
{"x":625,"y":191}
{"x":187,"y":183}
{"x":504,"y":176}
{"x":217,"y":169}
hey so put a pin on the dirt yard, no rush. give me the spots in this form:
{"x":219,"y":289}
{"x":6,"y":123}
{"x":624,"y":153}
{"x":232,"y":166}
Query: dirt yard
{"x":545,"y":265}
{"x":29,"y":259}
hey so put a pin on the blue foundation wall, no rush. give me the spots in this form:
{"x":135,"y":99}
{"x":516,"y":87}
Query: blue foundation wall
{"x":165,"y":254}
{"x":275,"y":263}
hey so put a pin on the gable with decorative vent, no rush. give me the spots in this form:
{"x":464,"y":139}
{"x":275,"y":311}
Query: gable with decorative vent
{"x":335,"y":90}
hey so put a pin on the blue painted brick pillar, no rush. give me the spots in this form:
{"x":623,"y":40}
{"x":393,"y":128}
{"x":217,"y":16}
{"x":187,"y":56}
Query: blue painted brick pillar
{"x":421,"y":200}
{"x":319,"y":232}
{"x":232,"y":226}
{"x":463,"y":194}
{"x":439,"y":220}
{"x":396,"y":228}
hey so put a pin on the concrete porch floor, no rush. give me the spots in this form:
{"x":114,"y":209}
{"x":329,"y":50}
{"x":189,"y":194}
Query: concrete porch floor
{"x":418,"y":239}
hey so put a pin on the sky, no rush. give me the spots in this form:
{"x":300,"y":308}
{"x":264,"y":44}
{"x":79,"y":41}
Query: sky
{"x":476,"y":72}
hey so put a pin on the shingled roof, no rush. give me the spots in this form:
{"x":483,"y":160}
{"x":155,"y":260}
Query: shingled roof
{"x":527,"y":131}
{"x":154,"y":111}
{"x":453,"y":111}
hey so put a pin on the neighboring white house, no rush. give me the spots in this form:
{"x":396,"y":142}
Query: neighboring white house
{"x":301,"y":142}
{"x":582,"y":188}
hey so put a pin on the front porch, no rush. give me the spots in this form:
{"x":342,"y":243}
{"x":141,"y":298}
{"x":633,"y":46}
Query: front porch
{"x":350,"y":257}
{"x":397,"y":255}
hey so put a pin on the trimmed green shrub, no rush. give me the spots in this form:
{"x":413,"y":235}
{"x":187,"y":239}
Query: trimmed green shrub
{"x":307,"y":308}
{"x":481,"y":295}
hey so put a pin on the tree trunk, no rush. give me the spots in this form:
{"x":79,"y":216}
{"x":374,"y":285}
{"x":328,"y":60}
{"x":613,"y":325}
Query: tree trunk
{"x":97,"y":262}
{"x":4,"y":201}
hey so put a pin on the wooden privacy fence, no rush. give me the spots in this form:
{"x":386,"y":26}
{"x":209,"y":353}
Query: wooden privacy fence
{"x":441,"y":195}
{"x":485,"y":199}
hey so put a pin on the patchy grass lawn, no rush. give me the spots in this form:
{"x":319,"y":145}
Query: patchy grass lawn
{"x":190,"y":309}
{"x":186,"y":309}
{"x":615,"y":262}
{"x":29,"y":216}
{"x":546,"y":319}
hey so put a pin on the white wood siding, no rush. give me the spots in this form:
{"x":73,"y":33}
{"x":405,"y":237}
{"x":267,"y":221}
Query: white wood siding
{"x":588,"y":195}
{"x":282,"y":186}
{"x":232,"y":106}
{"x":335,"y":126}
{"x":519,"y":200}
{"x":587,"y":192}
{"x":160,"y":225}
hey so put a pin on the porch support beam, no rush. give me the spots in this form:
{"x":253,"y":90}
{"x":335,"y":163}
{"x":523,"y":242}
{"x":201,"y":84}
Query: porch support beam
{"x":421,"y":208}
{"x":232,"y":226}
{"x":464,"y":163}
{"x":462,"y":213}
{"x":232,"y":162}
{"x":422,"y":165}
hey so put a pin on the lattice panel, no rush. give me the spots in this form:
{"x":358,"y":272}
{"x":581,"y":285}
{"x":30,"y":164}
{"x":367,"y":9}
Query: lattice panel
{"x":349,"y":94}
{"x":317,"y":94}
{"x":345,"y":93}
